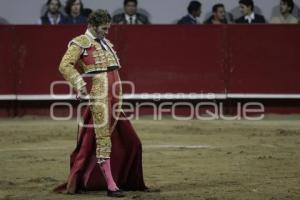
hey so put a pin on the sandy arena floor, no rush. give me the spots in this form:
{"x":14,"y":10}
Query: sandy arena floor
{"x":209,"y":160}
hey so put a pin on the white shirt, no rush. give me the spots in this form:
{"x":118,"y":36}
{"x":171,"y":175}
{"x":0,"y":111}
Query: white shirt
{"x":133,"y":19}
{"x":88,"y":33}
{"x":194,"y":18}
{"x":53,"y":21}
{"x":250,"y":17}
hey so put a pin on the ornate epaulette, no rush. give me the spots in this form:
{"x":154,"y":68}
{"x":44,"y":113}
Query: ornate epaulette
{"x":83,"y":41}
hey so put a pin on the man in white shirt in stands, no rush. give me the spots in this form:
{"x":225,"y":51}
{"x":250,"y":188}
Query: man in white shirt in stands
{"x":249,"y":16}
{"x":130,"y":15}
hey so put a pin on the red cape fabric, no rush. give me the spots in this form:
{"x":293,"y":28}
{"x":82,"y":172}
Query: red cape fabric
{"x":126,"y":160}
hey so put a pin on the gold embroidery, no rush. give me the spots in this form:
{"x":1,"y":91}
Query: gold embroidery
{"x":119,"y":105}
{"x":103,"y":59}
{"x":100,"y":112}
{"x":82,"y":41}
{"x":99,"y":92}
{"x":67,"y":66}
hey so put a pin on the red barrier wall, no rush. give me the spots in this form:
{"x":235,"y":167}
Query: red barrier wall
{"x":173,"y":59}
{"x":264,"y":59}
{"x":163,"y":58}
{"x":234,"y":59}
{"x":7,"y":61}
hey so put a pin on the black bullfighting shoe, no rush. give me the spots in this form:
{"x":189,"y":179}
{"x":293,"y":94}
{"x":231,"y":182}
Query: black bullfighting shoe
{"x":117,"y":193}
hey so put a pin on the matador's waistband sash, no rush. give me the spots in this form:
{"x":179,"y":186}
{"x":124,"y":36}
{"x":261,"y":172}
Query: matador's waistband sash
{"x":108,"y":69}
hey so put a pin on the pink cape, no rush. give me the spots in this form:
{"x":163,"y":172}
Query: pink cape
{"x":126,"y":160}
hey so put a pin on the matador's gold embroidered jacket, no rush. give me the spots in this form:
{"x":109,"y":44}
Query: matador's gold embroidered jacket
{"x":89,"y":55}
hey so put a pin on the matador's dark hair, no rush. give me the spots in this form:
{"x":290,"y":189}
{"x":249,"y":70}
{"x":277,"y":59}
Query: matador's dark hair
{"x":99,"y":17}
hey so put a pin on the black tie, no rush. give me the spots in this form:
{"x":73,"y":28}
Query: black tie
{"x":99,"y":41}
{"x":130,"y":20}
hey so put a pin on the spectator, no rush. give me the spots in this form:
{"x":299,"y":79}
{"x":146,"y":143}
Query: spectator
{"x":53,"y":16}
{"x":285,"y":17}
{"x":218,"y":15}
{"x":130,"y":15}
{"x":194,"y":11}
{"x":249,"y":16}
{"x":74,"y":9}
{"x":86,"y":12}
{"x":3,"y":21}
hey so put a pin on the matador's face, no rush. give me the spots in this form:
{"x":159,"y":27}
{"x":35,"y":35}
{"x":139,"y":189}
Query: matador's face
{"x":102,"y":30}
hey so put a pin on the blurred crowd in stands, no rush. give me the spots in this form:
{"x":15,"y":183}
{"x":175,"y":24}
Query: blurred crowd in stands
{"x":74,"y":12}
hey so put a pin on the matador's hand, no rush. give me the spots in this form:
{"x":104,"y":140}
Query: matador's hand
{"x":82,"y":94}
